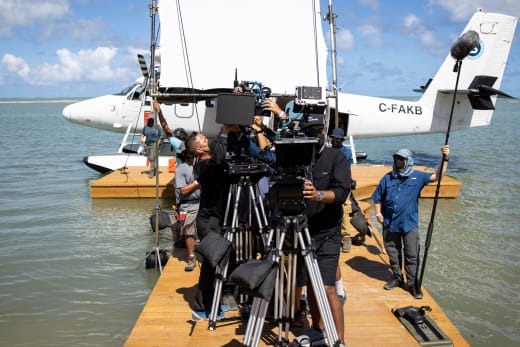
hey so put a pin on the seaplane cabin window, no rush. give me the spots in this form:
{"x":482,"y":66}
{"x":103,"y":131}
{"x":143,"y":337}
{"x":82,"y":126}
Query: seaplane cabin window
{"x":136,"y":95}
{"x":125,"y":90}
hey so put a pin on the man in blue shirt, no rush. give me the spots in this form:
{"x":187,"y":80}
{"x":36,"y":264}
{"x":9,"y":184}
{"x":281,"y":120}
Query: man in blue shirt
{"x":396,"y":203}
{"x":151,"y":137}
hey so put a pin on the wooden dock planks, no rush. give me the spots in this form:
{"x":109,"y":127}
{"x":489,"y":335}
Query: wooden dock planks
{"x":131,"y":183}
{"x":369,"y":321}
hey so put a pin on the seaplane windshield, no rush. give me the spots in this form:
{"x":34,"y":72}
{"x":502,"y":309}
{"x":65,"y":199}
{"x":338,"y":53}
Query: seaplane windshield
{"x":126,"y":90}
{"x":136,"y":94}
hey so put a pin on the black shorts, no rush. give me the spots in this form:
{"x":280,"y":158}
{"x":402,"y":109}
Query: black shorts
{"x":327,"y":251}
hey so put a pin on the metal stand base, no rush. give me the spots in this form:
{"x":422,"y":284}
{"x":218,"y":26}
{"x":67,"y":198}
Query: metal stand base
{"x":286,"y":278}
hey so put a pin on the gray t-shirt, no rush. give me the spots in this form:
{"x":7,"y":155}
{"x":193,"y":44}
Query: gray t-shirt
{"x":183,"y":177}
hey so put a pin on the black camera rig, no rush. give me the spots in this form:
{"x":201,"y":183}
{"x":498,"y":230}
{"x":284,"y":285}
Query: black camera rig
{"x":294,"y":159}
{"x":260,"y":92}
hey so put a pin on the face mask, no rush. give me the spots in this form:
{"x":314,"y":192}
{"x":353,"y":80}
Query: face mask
{"x":399,"y":163}
{"x":336,"y":144}
{"x":321,"y":140}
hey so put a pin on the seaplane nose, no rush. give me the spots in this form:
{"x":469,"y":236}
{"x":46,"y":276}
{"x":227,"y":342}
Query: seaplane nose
{"x":67,"y":112}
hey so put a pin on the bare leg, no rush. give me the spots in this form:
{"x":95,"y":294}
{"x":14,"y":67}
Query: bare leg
{"x":335,"y":307}
{"x":190,"y":244}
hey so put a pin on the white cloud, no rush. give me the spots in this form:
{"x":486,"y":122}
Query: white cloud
{"x":415,"y":28}
{"x":373,"y":4}
{"x":84,"y":65}
{"x":24,"y":13}
{"x":16,"y":65}
{"x":372,"y":32}
{"x":461,"y":10}
{"x":344,"y":40}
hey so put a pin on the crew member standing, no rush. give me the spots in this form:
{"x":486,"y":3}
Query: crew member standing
{"x":187,"y":192}
{"x":396,"y":204}
{"x":325,"y":195}
{"x":151,"y":137}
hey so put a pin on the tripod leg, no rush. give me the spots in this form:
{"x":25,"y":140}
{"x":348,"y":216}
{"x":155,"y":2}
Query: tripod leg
{"x":158,"y":261}
{"x":220,"y":275}
{"x":259,"y":326}
{"x":253,"y":315}
{"x":257,"y":317}
{"x":319,"y":290}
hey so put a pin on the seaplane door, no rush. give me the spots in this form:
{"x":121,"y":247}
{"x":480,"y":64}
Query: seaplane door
{"x":132,"y":107}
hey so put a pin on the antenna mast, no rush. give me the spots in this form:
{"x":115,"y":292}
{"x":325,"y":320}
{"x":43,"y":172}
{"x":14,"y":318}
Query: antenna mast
{"x":331,"y":18}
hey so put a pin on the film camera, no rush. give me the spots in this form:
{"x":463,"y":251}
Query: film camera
{"x":238,"y":109}
{"x":294,"y":157}
{"x":260,"y":92}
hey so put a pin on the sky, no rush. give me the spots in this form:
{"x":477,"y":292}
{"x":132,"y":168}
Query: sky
{"x":87,"y":48}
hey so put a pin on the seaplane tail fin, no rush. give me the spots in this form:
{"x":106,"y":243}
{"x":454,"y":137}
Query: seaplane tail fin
{"x":480,"y":76}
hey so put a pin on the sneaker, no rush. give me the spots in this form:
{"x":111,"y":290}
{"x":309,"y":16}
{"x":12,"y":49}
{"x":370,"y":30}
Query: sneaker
{"x":191,"y":263}
{"x":415,"y":292}
{"x":316,"y":337}
{"x":198,"y":315}
{"x":220,"y":315}
{"x":342,"y":298}
{"x":396,"y":281}
{"x":346,"y":244}
{"x":301,"y":341}
{"x":204,"y":315}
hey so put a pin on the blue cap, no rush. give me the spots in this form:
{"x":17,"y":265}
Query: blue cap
{"x":404,"y":153}
{"x":338,"y":132}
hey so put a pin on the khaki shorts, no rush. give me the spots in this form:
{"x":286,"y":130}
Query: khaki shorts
{"x":188,"y":226}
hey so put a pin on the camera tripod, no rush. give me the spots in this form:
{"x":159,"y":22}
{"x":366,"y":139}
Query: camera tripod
{"x":284,"y":301}
{"x":242,"y":238}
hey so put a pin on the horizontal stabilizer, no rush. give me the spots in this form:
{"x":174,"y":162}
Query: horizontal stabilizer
{"x":479,"y":92}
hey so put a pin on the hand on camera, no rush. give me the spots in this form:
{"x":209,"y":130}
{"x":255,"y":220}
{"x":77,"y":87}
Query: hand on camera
{"x":271,"y":105}
{"x":309,"y":191}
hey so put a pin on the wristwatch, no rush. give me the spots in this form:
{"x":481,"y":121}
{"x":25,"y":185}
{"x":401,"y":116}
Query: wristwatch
{"x":320,"y":195}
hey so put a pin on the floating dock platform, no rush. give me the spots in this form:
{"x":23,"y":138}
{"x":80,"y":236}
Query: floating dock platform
{"x":369,"y":321}
{"x":133,"y":182}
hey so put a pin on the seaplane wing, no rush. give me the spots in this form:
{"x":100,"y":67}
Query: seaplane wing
{"x":198,"y":61}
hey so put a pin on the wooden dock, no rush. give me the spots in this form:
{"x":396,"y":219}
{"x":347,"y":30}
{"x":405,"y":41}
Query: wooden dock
{"x":165,"y":319}
{"x":132,"y":183}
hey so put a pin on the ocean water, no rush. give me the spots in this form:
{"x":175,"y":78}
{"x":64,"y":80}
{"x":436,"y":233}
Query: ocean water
{"x":72,"y":270}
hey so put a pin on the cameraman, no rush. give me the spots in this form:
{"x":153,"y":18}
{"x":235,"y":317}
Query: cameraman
{"x":210,"y":172}
{"x":325,"y":195}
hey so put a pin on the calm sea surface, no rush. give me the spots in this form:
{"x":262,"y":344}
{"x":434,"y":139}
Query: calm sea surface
{"x":72,"y":271}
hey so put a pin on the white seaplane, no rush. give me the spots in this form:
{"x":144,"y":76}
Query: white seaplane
{"x":199,"y":61}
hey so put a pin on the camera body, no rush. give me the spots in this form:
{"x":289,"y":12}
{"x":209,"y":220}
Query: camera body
{"x":260,"y":92}
{"x":294,"y":158}
{"x":310,"y":100}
